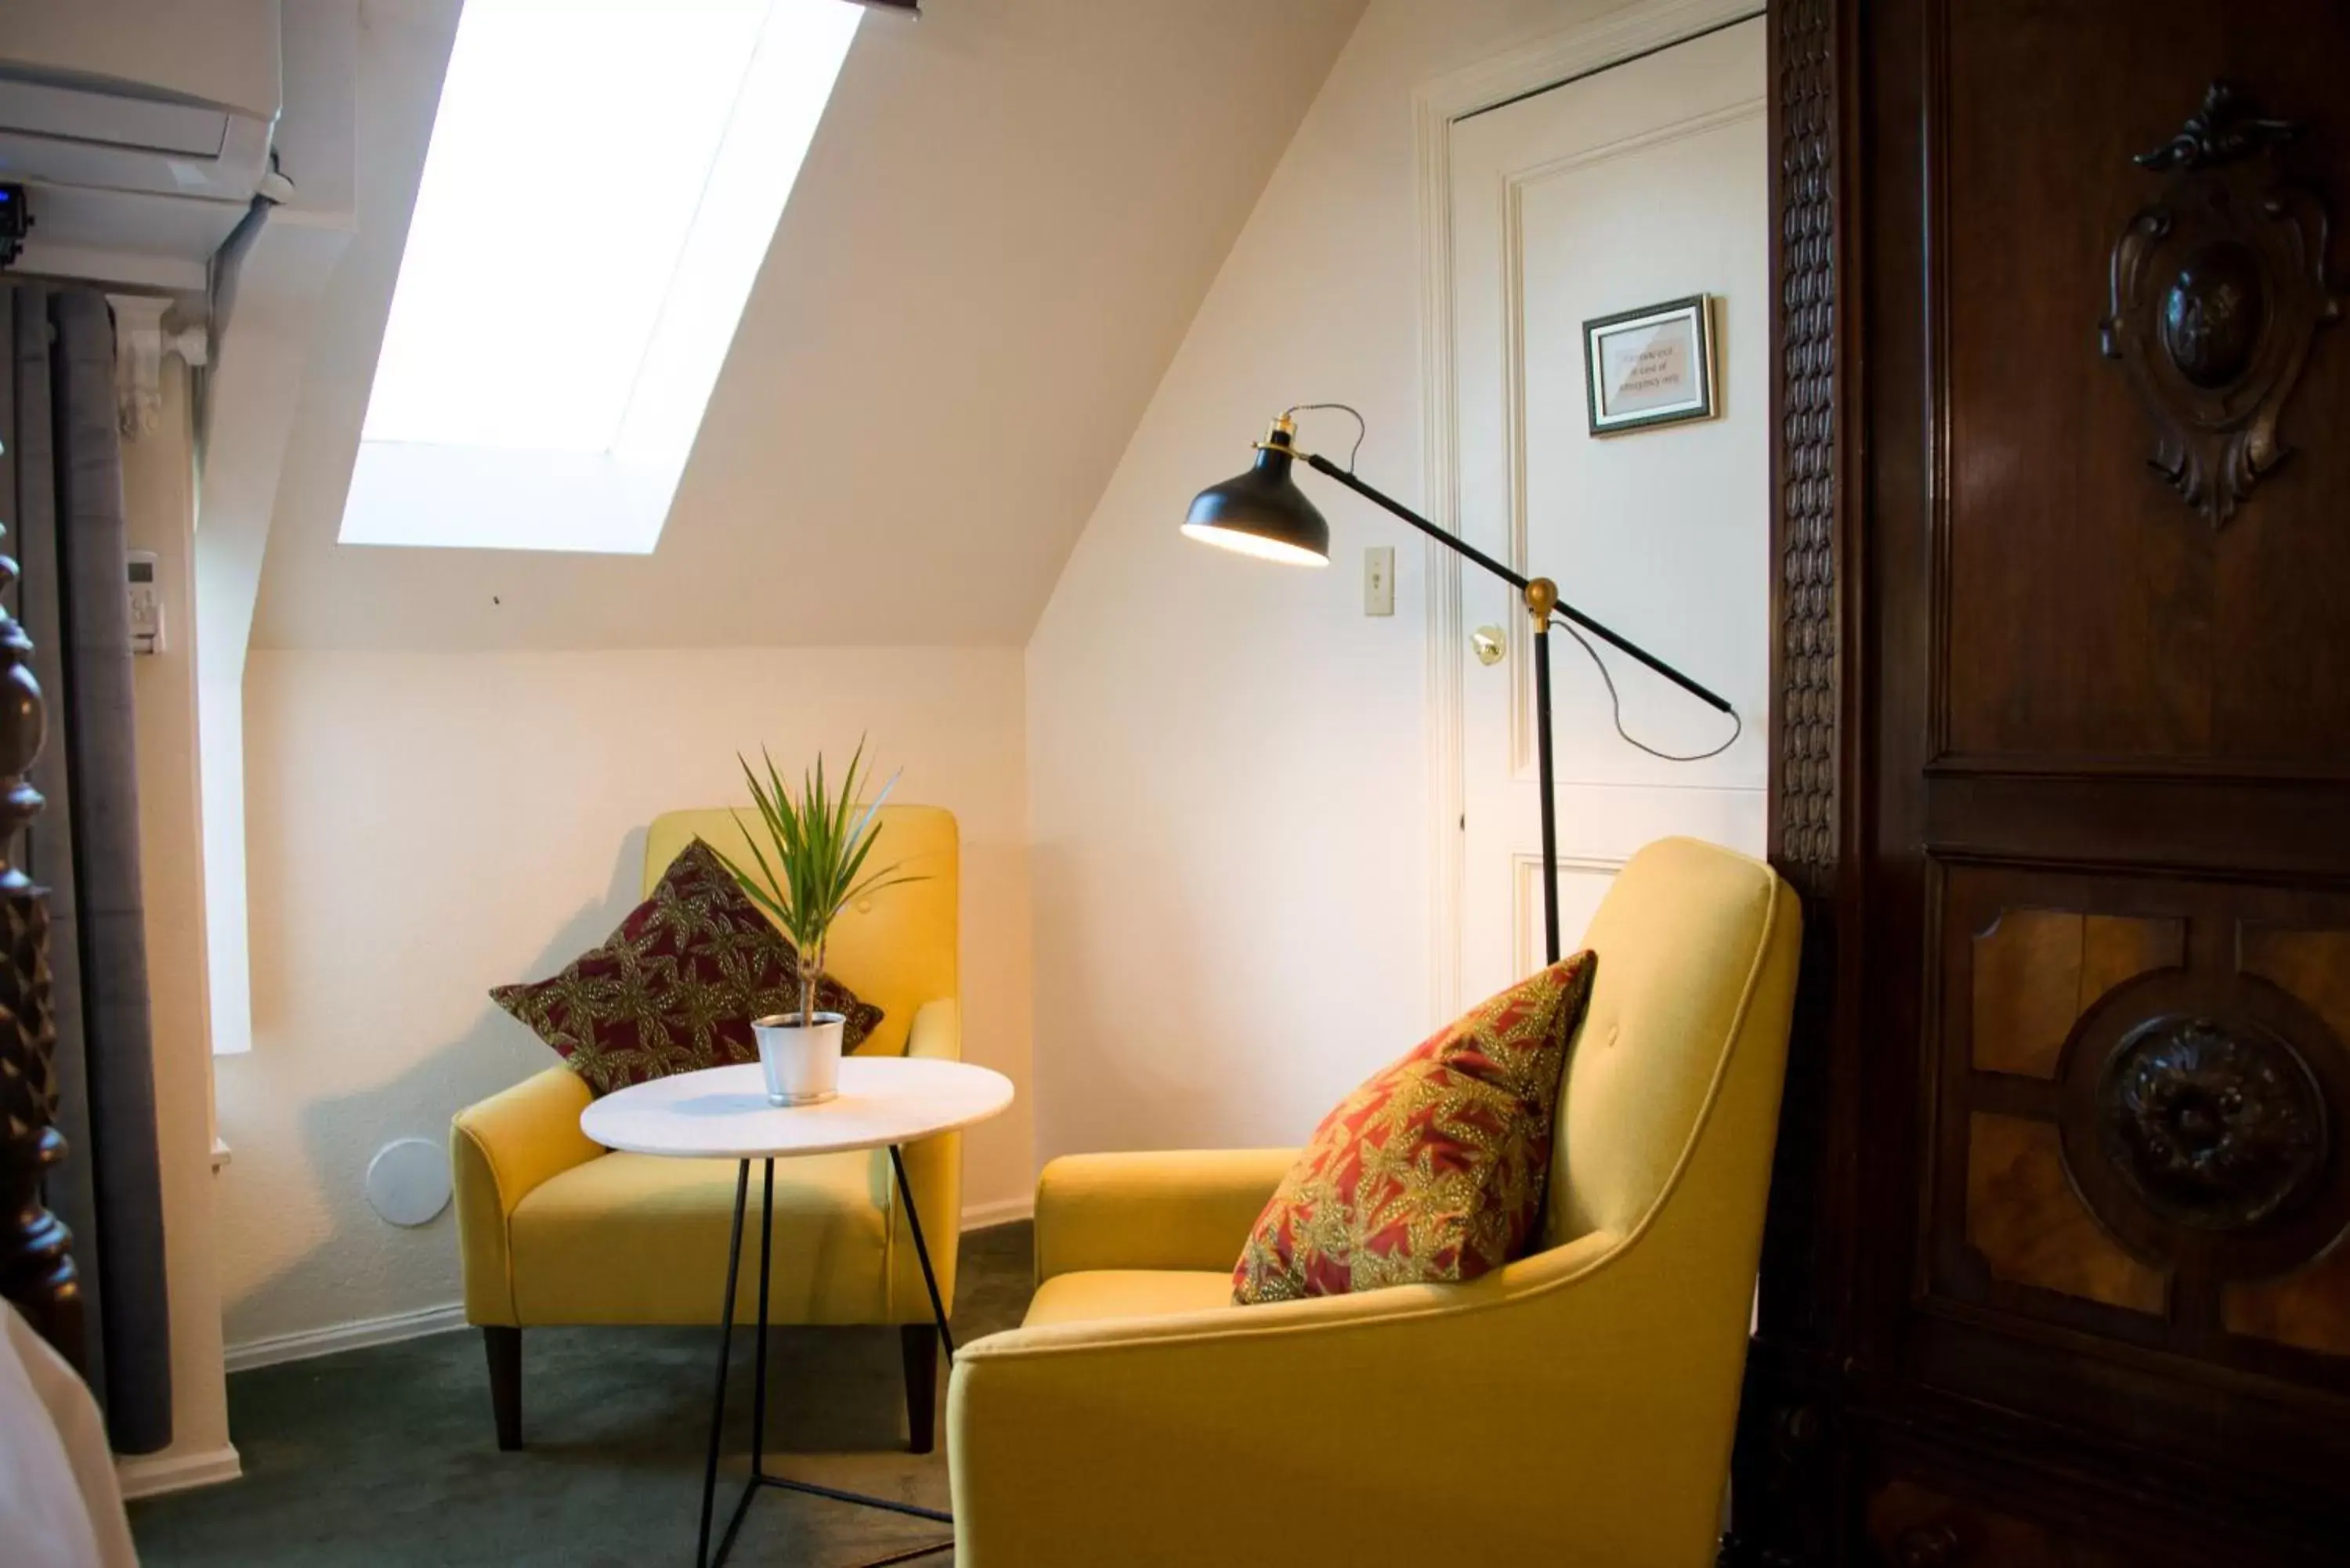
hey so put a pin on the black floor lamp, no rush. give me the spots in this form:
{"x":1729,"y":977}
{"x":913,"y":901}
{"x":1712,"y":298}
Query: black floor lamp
{"x":1263,"y":514}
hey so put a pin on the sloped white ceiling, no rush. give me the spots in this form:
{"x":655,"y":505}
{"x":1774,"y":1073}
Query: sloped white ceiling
{"x":999,"y":237}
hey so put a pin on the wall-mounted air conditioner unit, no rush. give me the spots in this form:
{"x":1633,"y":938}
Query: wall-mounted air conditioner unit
{"x":140,"y":130}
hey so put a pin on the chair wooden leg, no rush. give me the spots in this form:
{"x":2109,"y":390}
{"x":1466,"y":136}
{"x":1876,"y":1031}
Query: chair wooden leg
{"x":918,"y":1344}
{"x":504,"y":1347}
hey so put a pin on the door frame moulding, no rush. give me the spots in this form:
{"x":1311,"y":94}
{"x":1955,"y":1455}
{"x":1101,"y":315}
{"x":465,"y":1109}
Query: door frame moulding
{"x":1554,"y":61}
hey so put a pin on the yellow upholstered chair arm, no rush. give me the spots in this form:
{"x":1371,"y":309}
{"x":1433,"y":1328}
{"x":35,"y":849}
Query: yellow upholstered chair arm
{"x":937,"y":1032}
{"x":1317,"y":1422}
{"x":934,"y":1170}
{"x":1183,"y":1209}
{"x":499,"y":1150}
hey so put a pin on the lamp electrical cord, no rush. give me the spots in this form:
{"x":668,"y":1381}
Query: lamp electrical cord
{"x":1616,"y":707}
{"x":1615,"y":698}
{"x":1361,"y":429}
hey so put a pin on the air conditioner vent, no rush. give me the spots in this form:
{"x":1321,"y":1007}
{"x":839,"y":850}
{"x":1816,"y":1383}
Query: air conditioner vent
{"x":138,"y":155}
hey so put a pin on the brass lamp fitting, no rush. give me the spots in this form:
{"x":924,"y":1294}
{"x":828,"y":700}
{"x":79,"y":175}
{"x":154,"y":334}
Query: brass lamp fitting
{"x":1542,"y":597}
{"x":1282,"y":438}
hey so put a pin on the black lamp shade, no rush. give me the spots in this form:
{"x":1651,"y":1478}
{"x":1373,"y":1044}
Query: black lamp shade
{"x":1263,"y":513}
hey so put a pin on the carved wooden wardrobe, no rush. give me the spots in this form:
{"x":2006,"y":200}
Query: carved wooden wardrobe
{"x":2057,"y":1268}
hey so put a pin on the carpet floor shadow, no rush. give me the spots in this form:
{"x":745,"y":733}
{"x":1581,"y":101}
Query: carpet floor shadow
{"x":386,"y":1455}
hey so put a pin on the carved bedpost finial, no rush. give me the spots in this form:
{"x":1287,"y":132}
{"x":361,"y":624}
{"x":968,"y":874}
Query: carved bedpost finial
{"x":36,"y":1269}
{"x":23,"y":726}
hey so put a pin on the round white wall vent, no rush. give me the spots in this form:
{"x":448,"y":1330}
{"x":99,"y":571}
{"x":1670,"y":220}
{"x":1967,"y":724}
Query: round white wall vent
{"x":408,"y":1180}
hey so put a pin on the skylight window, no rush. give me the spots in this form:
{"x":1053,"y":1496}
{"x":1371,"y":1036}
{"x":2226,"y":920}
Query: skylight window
{"x":602,"y":183}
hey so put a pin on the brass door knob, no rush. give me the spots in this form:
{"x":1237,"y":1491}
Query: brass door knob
{"x":1491,"y":643}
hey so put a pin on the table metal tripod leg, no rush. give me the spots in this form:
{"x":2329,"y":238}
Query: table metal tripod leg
{"x":726,"y":1344}
{"x":759,"y":1360}
{"x":914,"y":1224}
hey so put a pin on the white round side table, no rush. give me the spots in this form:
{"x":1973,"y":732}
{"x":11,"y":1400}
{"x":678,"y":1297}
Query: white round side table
{"x":723,"y":1113}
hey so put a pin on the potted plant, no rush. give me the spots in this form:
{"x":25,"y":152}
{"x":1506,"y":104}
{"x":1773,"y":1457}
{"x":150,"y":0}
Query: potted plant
{"x":819,"y":841}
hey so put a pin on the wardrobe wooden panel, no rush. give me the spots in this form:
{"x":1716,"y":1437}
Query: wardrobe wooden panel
{"x":2131,"y":632}
{"x":2058,"y":1267}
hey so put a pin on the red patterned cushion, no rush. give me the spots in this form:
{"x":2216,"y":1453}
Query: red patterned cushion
{"x":676,"y":987}
{"x":1434,"y":1169}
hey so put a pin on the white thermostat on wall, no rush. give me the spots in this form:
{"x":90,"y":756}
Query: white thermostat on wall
{"x":146,"y":603}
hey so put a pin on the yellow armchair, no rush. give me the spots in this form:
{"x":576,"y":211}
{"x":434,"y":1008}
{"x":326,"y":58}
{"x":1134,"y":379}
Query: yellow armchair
{"x":1575,"y":1407}
{"x":554,"y":1229}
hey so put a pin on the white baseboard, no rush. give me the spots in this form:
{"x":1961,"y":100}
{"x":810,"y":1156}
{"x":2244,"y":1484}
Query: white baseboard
{"x":303,"y":1344}
{"x":152,"y":1477}
{"x":979,"y":1216}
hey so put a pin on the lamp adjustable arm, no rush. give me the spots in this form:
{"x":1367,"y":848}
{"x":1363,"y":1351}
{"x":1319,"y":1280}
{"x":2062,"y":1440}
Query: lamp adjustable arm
{"x":1453,"y":542}
{"x":1263,"y":514}
{"x":1321,"y":464}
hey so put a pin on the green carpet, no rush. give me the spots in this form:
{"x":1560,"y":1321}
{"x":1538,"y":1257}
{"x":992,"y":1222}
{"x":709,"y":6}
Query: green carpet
{"x":387,"y":1455}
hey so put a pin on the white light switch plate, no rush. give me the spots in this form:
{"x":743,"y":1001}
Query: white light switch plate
{"x":1378,"y":580}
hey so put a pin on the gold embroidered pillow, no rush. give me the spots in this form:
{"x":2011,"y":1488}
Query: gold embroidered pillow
{"x":676,"y":987}
{"x":1434,"y":1170}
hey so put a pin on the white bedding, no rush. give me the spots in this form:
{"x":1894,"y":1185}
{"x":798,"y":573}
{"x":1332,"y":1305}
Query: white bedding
{"x":59,"y":1504}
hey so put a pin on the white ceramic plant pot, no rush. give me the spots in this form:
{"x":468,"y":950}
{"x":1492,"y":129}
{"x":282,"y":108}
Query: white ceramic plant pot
{"x":802,"y":1064}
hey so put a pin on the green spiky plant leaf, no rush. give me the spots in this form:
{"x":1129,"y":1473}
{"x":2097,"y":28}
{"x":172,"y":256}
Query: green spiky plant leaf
{"x":819,"y":840}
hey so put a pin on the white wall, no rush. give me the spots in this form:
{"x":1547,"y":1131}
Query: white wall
{"x":1010,"y":211}
{"x":1009,"y":214}
{"x":267,"y":296}
{"x":427,"y":825}
{"x":1221,"y":800}
{"x":1228,"y":762}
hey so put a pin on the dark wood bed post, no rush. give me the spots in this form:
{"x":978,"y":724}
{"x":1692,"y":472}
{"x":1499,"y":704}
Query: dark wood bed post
{"x":36,"y":1269}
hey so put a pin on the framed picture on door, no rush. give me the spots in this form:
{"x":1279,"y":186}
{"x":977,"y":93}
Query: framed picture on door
{"x":1653,"y":366}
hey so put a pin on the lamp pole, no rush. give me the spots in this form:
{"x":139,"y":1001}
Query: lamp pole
{"x":1542,"y":597}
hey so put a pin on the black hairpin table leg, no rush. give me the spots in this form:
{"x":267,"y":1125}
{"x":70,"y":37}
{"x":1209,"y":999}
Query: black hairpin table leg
{"x":726,"y":1344}
{"x":703,"y":1556}
{"x":922,"y":1253}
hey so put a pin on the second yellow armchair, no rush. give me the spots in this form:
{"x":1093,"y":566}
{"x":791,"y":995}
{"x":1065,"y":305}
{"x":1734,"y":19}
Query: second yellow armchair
{"x":1573,"y":1407}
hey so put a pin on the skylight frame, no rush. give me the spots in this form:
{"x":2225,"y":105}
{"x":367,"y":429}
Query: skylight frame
{"x":599,"y":487}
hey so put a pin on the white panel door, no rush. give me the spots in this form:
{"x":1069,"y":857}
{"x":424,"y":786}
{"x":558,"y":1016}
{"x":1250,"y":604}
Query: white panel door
{"x":1641,"y":184}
